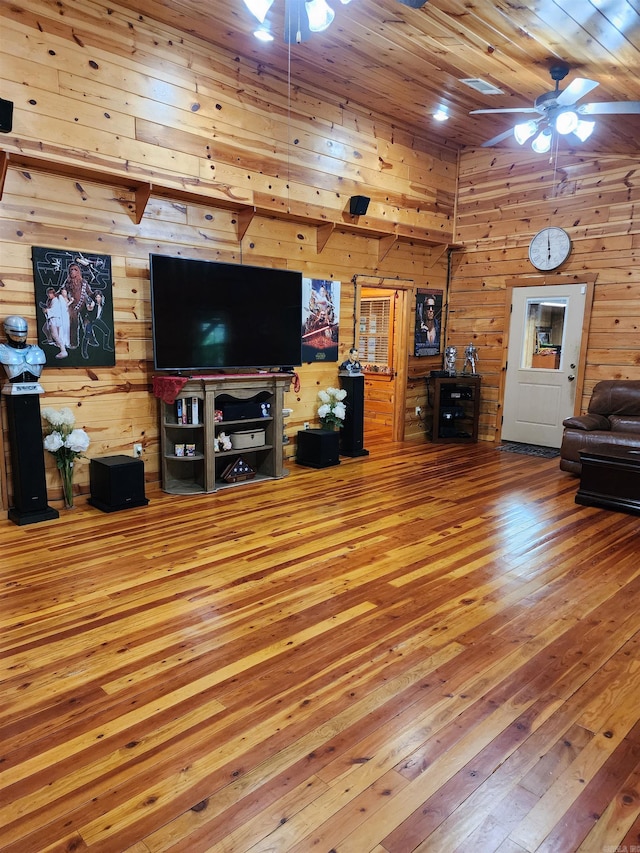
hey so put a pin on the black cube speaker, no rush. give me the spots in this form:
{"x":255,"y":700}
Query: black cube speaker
{"x":6,"y":116}
{"x":117,"y":482}
{"x":318,"y":448}
{"x":358,"y":205}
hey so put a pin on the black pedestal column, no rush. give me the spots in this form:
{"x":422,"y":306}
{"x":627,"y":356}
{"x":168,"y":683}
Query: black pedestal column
{"x":27,"y":460}
{"x":352,"y":432}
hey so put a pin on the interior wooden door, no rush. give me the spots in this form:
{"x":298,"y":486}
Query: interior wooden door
{"x":382,"y":316}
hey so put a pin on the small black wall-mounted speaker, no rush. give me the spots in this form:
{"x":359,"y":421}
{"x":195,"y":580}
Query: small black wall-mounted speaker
{"x":358,"y":205}
{"x":6,"y":116}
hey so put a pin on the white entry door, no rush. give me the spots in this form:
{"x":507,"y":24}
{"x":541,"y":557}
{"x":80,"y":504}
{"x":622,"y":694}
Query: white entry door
{"x":544,"y":346}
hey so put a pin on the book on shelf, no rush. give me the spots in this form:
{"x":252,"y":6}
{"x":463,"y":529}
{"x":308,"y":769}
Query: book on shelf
{"x":188,"y":410}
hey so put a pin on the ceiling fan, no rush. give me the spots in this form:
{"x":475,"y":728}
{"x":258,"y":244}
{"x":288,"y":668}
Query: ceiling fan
{"x":559,"y":111}
{"x":302,"y":17}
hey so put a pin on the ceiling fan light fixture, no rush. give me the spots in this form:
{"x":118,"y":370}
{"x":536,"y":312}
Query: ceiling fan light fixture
{"x":320,"y":15}
{"x":525,"y":131}
{"x":542,"y":143}
{"x":566,"y":122}
{"x":259,"y":8}
{"x":263,"y":35}
{"x":584,"y":129}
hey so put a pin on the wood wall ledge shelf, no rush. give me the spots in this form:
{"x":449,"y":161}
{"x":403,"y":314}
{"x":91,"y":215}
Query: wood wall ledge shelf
{"x":202,"y":193}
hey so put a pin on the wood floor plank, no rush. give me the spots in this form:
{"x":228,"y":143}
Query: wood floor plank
{"x":432,"y":648}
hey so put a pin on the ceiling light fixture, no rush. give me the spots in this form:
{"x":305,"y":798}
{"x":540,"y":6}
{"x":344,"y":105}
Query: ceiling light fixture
{"x":584,"y":129}
{"x":566,"y":122}
{"x":542,"y":143}
{"x":319,"y":14}
{"x":259,"y":8}
{"x":441,"y":114}
{"x":301,"y":18}
{"x":525,"y":131}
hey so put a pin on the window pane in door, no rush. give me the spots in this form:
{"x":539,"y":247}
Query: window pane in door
{"x":543,"y":333}
{"x":375,"y":331}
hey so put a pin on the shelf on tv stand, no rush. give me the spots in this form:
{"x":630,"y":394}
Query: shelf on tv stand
{"x":244,"y":421}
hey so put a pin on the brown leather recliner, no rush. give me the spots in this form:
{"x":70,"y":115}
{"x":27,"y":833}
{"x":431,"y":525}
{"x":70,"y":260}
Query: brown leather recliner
{"x":613,"y":418}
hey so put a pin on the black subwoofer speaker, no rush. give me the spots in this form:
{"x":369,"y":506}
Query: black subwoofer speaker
{"x":117,"y":482}
{"x":318,"y":448}
{"x":358,"y":205}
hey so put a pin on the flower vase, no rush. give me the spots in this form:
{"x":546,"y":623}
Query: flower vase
{"x":66,"y":473}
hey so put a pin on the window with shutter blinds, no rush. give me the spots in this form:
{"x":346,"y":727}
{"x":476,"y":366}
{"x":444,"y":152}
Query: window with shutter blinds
{"x":375,"y":331}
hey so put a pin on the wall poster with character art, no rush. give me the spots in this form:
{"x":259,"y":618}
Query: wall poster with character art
{"x":428,"y":323}
{"x":74,"y":308}
{"x":320,"y":319}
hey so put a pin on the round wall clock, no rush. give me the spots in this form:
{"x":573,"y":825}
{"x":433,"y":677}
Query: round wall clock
{"x":549,"y":248}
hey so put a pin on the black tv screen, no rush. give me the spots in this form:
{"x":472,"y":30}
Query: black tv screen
{"x":208,"y":315}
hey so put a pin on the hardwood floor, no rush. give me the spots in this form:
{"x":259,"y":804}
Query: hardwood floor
{"x":433,"y":648}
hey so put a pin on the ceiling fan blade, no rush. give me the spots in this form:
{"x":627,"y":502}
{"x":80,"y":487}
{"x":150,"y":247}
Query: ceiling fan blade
{"x":609,"y":108}
{"x":498,"y":138}
{"x":577,"y":89}
{"x":505,"y":110}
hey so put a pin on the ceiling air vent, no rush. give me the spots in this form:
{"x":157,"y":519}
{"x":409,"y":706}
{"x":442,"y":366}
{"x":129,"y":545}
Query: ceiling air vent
{"x":482,"y":86}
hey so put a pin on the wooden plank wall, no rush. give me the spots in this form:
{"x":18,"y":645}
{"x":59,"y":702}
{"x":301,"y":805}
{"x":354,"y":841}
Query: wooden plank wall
{"x":503,"y":199}
{"x":95,"y":87}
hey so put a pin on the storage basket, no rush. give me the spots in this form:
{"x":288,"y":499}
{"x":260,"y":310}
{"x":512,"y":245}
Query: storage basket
{"x":245,"y":438}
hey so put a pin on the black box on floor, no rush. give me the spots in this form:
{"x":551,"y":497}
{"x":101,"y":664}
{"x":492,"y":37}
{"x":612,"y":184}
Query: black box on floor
{"x":318,"y":448}
{"x":116,"y":482}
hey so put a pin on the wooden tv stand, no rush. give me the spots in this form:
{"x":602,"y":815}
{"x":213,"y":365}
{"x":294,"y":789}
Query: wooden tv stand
{"x":202,"y":471}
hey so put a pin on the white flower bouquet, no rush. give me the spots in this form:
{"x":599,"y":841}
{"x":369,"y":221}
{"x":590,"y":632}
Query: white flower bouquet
{"x":66,"y":443}
{"x":332,"y":410}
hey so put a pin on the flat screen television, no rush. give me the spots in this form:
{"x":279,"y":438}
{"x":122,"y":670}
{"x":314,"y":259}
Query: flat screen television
{"x":208,"y":315}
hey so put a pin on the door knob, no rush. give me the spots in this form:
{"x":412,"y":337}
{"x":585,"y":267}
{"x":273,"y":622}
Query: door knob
{"x":571,"y":377}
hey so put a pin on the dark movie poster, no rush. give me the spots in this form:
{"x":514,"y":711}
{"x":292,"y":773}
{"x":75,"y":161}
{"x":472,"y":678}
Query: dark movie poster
{"x":74,"y":309}
{"x":320,"y":319}
{"x":428,"y":328}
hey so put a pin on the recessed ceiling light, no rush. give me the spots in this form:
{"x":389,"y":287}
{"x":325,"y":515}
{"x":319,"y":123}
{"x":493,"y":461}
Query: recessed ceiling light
{"x":441,"y":114}
{"x":263,"y":35}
